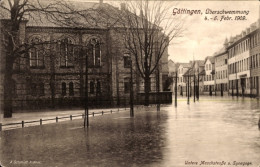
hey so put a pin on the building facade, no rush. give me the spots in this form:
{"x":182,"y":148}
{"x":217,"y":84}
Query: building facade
{"x":209,"y":78}
{"x":221,"y":66}
{"x":182,"y":69}
{"x":255,"y":60}
{"x":54,"y":75}
{"x":239,"y":64}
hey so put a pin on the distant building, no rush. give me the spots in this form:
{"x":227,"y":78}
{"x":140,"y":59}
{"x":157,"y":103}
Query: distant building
{"x":255,"y":59}
{"x":173,"y":71}
{"x":182,"y":69}
{"x":209,"y":77}
{"x":221,"y":67}
{"x":239,"y":62}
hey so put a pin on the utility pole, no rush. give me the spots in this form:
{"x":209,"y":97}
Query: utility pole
{"x":188,"y":102}
{"x":86,"y":120}
{"x":158,"y":89}
{"x":176,"y":89}
{"x":194,"y":86}
{"x":131,"y":91}
{"x":198,"y":93}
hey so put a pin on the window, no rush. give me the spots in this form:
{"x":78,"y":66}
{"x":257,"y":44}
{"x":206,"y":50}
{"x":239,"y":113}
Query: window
{"x":66,"y":53}
{"x":91,"y":86}
{"x":94,"y":53}
{"x":71,"y":89}
{"x":126,"y":85}
{"x":127,"y":61}
{"x":36,"y":54}
{"x":63,"y":89}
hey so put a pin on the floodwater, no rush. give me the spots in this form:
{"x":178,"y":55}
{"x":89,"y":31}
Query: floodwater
{"x":213,"y":130}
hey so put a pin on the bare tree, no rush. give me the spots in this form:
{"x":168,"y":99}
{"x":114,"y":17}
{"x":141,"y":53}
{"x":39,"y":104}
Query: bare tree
{"x":149,"y":29}
{"x":14,"y":13}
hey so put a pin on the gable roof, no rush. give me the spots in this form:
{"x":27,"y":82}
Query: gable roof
{"x":69,"y":14}
{"x":211,"y":59}
{"x":185,"y":65}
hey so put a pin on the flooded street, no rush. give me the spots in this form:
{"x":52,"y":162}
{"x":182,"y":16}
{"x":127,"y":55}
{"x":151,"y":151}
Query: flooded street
{"x":215,"y":130}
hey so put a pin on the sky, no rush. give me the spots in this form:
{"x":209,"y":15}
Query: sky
{"x":203,"y":38}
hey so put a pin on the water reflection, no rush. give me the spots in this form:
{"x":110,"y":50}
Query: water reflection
{"x":214,"y":129}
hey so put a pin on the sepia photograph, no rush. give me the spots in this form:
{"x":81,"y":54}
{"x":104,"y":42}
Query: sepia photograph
{"x":138,"y":83}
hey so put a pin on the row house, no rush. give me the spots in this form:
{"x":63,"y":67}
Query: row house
{"x":221,"y":68}
{"x":194,"y":76}
{"x":209,"y":77}
{"x":255,"y":60}
{"x":181,"y":84}
{"x":243,"y":55}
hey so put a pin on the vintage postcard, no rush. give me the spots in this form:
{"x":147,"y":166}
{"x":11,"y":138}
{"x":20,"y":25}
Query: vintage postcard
{"x":114,"y":83}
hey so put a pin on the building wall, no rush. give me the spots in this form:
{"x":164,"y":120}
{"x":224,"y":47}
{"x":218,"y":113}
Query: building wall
{"x":221,"y":72}
{"x":209,"y":81}
{"x":49,"y":85}
{"x":255,"y":63}
{"x":238,"y":66}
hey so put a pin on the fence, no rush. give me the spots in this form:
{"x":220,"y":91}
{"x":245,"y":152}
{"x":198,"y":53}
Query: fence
{"x":40,"y":121}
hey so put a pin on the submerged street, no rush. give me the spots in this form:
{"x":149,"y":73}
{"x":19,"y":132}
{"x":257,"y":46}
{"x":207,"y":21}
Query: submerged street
{"x":212,"y":132}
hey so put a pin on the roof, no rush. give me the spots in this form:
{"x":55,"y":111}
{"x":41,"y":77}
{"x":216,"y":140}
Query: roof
{"x":95,"y":15}
{"x":211,"y":59}
{"x":200,"y":63}
{"x":185,"y":65}
{"x":203,"y":72}
{"x":220,"y":52}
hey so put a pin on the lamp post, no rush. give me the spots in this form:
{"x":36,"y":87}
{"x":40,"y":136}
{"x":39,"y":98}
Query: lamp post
{"x":131,"y":90}
{"x":86,"y":120}
{"x":194,"y":86}
{"x":176,"y":88}
{"x":198,"y":93}
{"x":188,"y":100}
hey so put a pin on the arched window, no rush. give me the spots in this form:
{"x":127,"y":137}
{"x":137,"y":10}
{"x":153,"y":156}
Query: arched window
{"x":98,"y":87}
{"x":71,"y":89}
{"x":91,"y":87}
{"x":36,"y":53}
{"x":63,"y":89}
{"x":94,"y":53}
{"x":66,"y":52}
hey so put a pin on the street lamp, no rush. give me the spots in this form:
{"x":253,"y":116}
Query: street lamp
{"x":188,"y":100}
{"x":131,"y":90}
{"x":86,"y":120}
{"x":176,"y":77}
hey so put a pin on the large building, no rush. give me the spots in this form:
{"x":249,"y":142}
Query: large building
{"x":55,"y":75}
{"x":240,"y":62}
{"x":255,"y":59}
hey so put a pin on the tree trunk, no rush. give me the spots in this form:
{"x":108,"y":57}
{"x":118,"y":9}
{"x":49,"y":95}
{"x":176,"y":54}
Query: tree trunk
{"x":147,"y":86}
{"x":8,"y":88}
